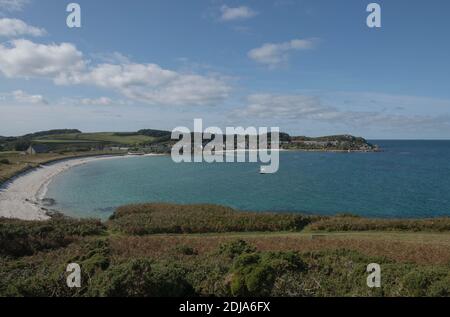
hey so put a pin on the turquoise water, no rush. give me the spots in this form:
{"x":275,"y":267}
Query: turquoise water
{"x":408,"y":179}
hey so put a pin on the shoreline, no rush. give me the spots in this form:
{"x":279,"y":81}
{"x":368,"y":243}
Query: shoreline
{"x":299,"y":150}
{"x":21,"y":197}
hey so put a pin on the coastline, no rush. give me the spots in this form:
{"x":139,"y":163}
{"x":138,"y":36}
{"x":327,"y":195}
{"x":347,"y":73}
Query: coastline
{"x":21,"y":196}
{"x":300,"y":150}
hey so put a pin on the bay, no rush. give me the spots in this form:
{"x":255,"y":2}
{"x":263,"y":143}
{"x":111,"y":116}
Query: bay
{"x":409,"y":179}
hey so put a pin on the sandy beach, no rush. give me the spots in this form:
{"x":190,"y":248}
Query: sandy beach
{"x":21,"y":197}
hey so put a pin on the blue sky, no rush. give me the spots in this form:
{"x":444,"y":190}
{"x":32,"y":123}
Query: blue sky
{"x":310,"y":67}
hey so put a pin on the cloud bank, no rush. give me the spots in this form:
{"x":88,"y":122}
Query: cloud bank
{"x":149,"y":83}
{"x":296,"y":108}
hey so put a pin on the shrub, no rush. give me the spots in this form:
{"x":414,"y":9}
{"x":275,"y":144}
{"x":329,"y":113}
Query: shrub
{"x":440,"y":288}
{"x":21,"y":238}
{"x":254,"y":274}
{"x":94,"y":256}
{"x":44,"y":275}
{"x":141,"y":278}
{"x":37,"y":285}
{"x":185,"y":250}
{"x":346,"y":223}
{"x":235,"y":248}
{"x":168,"y":218}
{"x":427,"y":282}
{"x":5,"y":161}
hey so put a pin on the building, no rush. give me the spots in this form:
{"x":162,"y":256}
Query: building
{"x":37,"y":149}
{"x":117,"y":148}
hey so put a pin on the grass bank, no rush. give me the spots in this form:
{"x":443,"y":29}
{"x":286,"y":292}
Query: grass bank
{"x":206,"y":250}
{"x":169,"y":218}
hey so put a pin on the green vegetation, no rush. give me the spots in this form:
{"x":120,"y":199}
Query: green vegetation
{"x":104,"y":137}
{"x":50,"y":132}
{"x":137,"y":253}
{"x":329,"y":143}
{"x":155,"y":133}
{"x":74,"y":140}
{"x":143,"y":278}
{"x":19,"y":238}
{"x":351,"y":223}
{"x":142,"y":219}
{"x":160,"y":141}
{"x":21,"y":143}
{"x":255,"y":273}
{"x":168,"y":218}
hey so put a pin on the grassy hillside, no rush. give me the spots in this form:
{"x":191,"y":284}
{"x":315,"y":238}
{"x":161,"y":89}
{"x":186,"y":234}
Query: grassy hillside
{"x":101,"y":137}
{"x":160,"y":141}
{"x":75,"y":140}
{"x":265,"y":255}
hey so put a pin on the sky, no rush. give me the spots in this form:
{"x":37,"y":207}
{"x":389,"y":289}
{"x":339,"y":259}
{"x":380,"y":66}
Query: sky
{"x":309,"y":67}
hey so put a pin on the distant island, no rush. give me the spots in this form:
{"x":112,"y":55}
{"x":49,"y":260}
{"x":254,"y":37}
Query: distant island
{"x":328,"y":143}
{"x":157,"y":141}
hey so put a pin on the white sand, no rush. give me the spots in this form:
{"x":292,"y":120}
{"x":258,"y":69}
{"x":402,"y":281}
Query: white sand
{"x":21,"y":198}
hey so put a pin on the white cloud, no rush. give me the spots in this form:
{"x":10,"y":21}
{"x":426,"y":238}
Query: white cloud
{"x":23,"y":97}
{"x":275,"y":54}
{"x":282,"y":106}
{"x":25,"y":59}
{"x":303,"y":108}
{"x":237,"y":13}
{"x":148,"y":83}
{"x":151,"y":84}
{"x":15,"y":28}
{"x":12,"y":5}
{"x":102,"y":101}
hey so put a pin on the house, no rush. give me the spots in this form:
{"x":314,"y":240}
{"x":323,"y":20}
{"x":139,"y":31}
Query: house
{"x":117,"y":148}
{"x":37,"y":149}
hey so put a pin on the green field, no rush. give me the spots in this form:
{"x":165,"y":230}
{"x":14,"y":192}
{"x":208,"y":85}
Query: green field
{"x":101,"y":137}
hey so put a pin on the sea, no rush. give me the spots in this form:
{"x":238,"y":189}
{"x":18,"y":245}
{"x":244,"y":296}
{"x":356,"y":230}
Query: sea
{"x":408,"y":179}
